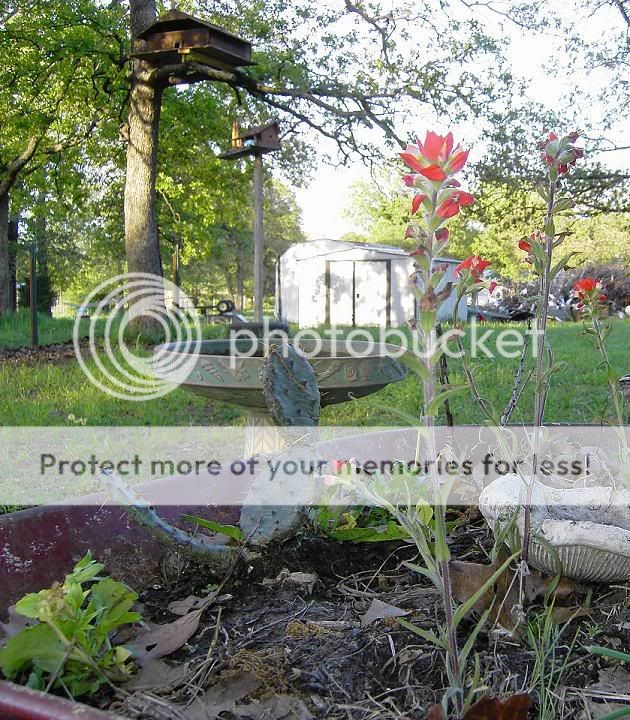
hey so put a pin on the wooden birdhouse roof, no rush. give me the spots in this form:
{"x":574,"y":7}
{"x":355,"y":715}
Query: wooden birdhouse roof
{"x":257,"y":129}
{"x":178,"y":20}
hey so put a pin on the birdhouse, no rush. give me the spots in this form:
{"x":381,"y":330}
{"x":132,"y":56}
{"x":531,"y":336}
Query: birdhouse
{"x":255,"y":141}
{"x":178,"y":37}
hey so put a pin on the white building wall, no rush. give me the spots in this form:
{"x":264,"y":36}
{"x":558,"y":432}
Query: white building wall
{"x":302,"y":288}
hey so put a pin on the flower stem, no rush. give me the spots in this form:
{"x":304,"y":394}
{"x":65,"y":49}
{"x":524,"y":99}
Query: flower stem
{"x":540,"y":392}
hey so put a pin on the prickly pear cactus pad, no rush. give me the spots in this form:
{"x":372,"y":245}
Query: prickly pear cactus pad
{"x":290,"y":387}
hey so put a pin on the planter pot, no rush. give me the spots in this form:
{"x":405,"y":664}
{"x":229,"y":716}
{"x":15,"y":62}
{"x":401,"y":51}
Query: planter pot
{"x":588,"y":529}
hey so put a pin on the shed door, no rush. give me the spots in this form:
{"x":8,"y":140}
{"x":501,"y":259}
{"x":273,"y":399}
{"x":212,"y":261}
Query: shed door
{"x":370,"y":292}
{"x":340,"y":292}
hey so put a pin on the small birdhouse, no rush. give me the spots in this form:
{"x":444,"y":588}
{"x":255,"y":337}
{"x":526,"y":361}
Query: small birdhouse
{"x":178,"y":37}
{"x":255,"y":141}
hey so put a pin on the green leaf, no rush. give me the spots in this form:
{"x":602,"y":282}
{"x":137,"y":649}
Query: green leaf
{"x":465,"y":607}
{"x":30,"y":605}
{"x":436,"y":403}
{"x":382,"y":533}
{"x":616,"y":714}
{"x":609,"y":653}
{"x":561,"y":264}
{"x":38,"y":645}
{"x":424,"y":634}
{"x":407,"y":417}
{"x":563,"y":204}
{"x":413,"y":362}
{"x":427,"y":320}
{"x":465,"y":651}
{"x":230,"y":531}
{"x":86,"y":569}
{"x":550,"y":228}
{"x":424,"y":512}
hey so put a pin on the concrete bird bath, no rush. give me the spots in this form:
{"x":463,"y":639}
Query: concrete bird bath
{"x":341,"y":376}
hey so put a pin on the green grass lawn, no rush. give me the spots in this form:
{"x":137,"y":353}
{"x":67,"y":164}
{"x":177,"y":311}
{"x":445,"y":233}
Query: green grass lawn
{"x":44,"y":392}
{"x":15,"y":329}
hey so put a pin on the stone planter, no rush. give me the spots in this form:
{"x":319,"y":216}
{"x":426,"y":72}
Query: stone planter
{"x":588,"y":529}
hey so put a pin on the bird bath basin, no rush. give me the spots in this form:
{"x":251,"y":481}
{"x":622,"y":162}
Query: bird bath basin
{"x":219,"y":374}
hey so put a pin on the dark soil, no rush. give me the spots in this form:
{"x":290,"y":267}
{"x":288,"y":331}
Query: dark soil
{"x":313,"y":649}
{"x":51,"y":353}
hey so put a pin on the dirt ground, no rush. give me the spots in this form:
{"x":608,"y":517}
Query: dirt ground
{"x":288,"y":637}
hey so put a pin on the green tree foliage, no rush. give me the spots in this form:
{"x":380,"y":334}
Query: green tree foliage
{"x":501,"y":216}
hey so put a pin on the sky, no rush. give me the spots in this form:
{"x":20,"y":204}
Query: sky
{"x":324,"y":201}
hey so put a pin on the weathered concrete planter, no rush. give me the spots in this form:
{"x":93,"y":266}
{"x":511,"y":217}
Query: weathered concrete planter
{"x":588,"y":528}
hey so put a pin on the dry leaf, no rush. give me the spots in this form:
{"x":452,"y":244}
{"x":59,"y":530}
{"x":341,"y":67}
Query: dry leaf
{"x":380,"y":610}
{"x":515,"y":707}
{"x":503,"y":596}
{"x":161,"y":640}
{"x":223,"y":696}
{"x":16,"y":623}
{"x":296,"y":580}
{"x":157,"y":675}
{"x":183,"y":607}
{"x":467,"y":578}
{"x":562,"y":615}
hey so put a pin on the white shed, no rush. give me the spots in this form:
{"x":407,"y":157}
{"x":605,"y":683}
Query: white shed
{"x":336,"y":282}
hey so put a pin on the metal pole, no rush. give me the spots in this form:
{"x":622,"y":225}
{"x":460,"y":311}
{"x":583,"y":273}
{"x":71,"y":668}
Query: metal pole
{"x":259,"y":240}
{"x":33,"y":296}
{"x":176,"y":268}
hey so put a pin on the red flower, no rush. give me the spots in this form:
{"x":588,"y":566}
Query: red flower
{"x":560,"y":154}
{"x":416,"y":202}
{"x":457,"y":161}
{"x":408,"y":179}
{"x":589,"y":290}
{"x":586,"y":285}
{"x":525,"y":245}
{"x":436,"y":158}
{"x":450,"y":207}
{"x":416,"y":162}
{"x":442,"y":234}
{"x":436,"y":147}
{"x":474,"y":263}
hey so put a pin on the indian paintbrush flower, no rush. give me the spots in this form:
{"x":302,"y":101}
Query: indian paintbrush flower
{"x":475,"y":264}
{"x":560,"y":153}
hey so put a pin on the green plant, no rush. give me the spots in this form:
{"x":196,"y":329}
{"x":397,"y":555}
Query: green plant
{"x":231,"y":531}
{"x":69,"y":641}
{"x":558,"y":154}
{"x":544,"y":637}
{"x":609,"y":653}
{"x":428,"y":529}
{"x":437,"y":197}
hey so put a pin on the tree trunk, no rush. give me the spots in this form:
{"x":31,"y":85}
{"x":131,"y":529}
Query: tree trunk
{"x":141,"y":237}
{"x":5,"y":272}
{"x":45,"y":291}
{"x":14,"y":229}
